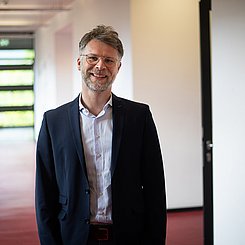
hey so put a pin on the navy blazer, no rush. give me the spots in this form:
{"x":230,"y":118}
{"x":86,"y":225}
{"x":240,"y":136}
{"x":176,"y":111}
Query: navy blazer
{"x":138,"y":185}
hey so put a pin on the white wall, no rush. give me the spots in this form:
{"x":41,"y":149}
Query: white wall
{"x":63,"y":64}
{"x":160,"y":67}
{"x":50,"y":85}
{"x":165,"y":37}
{"x":228,"y":52}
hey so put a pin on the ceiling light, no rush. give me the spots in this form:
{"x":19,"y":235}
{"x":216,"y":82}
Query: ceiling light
{"x":4,"y":42}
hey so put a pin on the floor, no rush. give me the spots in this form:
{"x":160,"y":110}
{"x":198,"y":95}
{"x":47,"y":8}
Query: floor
{"x":17,"y":216}
{"x":185,"y":228}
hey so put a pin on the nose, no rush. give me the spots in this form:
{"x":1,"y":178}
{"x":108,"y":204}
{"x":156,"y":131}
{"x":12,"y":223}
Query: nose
{"x":100,"y":64}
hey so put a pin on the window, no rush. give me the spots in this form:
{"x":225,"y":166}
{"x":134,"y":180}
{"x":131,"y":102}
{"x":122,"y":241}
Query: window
{"x":16,"y":84}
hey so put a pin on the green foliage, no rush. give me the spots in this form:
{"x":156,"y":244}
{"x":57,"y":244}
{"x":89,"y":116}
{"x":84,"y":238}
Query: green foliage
{"x":16,"y":118}
{"x":16,"y":77}
{"x":17,"y":98}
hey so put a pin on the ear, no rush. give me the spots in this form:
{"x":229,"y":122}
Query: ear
{"x":79,"y":64}
{"x":119,"y":66}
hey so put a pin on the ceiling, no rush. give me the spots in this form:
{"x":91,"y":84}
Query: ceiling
{"x":28,"y":15}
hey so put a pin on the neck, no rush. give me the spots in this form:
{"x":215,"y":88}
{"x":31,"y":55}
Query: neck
{"x":94,"y":101}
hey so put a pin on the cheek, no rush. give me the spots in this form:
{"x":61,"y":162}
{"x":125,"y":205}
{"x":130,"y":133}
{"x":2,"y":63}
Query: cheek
{"x":84,"y":69}
{"x":114,"y":72}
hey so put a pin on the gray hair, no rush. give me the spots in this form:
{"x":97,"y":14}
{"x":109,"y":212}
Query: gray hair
{"x":105,"y":34}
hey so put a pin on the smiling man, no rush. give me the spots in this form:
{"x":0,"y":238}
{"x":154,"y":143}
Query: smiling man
{"x":99,"y":174}
{"x":94,"y":73}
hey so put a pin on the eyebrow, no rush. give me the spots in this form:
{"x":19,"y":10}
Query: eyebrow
{"x":101,"y":56}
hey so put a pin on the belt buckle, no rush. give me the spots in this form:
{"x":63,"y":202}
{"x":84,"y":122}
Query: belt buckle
{"x":103,"y":234}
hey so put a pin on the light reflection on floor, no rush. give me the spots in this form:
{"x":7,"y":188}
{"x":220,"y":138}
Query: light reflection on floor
{"x":17,"y":167}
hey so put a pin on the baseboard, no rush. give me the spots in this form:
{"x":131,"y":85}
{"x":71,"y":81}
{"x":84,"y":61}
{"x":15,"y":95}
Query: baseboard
{"x":189,"y":209}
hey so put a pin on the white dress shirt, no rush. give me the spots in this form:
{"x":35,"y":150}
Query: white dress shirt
{"x":97,"y":143}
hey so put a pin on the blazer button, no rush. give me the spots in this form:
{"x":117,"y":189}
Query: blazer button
{"x":87,"y":191}
{"x":87,"y":221}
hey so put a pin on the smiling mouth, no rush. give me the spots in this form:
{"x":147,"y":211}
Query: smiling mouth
{"x":98,"y":75}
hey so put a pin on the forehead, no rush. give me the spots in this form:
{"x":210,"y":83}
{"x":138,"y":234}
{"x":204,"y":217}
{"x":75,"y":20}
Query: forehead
{"x":99,"y":48}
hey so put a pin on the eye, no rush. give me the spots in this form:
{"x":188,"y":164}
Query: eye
{"x":109,"y":61}
{"x":92,"y":59}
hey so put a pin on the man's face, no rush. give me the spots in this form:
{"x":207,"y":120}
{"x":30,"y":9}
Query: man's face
{"x":99,"y":65}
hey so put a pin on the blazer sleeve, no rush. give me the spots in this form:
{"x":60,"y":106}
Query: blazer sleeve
{"x":153,"y":185}
{"x":46,"y":191}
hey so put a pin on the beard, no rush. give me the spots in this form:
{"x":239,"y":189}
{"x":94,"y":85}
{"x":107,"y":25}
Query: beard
{"x":96,"y":85}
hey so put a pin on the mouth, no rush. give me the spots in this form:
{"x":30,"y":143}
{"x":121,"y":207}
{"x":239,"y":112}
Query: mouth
{"x":98,"y":75}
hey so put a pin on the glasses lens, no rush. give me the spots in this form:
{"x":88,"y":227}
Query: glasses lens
{"x":92,"y":59}
{"x":109,"y":61}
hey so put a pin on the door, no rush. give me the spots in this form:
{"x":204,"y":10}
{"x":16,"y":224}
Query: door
{"x":205,"y":8}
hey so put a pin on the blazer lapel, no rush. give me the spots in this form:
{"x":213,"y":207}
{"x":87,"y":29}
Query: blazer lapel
{"x":118,"y":122}
{"x":74,"y":118}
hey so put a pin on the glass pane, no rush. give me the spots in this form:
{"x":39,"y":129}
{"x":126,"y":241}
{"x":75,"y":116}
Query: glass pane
{"x":17,"y":57}
{"x":15,"y":62}
{"x":17,"y":54}
{"x":16,"y":98}
{"x":16,"y":77}
{"x":16,"y":118}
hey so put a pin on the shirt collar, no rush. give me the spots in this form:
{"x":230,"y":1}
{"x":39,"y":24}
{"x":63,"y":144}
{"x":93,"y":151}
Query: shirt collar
{"x":83,"y":108}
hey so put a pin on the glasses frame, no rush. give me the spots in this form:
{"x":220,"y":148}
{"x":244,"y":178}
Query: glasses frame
{"x":111,"y":62}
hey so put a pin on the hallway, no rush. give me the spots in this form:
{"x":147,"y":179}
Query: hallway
{"x":17,"y":220}
{"x":17,"y":216}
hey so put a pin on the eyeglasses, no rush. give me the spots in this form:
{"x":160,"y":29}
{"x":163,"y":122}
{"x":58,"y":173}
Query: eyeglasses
{"x":94,"y":59}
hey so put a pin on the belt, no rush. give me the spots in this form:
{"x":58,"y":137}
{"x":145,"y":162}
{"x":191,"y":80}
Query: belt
{"x":100,"y":232}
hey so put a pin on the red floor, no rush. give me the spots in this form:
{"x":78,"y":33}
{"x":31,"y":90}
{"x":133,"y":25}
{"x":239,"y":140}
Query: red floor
{"x":185,"y":228}
{"x":17,"y":217}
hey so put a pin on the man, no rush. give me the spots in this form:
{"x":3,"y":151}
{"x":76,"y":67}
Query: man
{"x":99,"y":175}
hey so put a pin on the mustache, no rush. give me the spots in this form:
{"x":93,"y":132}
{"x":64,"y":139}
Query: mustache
{"x":97,"y":71}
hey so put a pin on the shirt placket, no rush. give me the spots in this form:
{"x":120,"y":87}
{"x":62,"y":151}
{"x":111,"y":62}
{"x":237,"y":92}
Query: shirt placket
{"x":99,"y":168}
